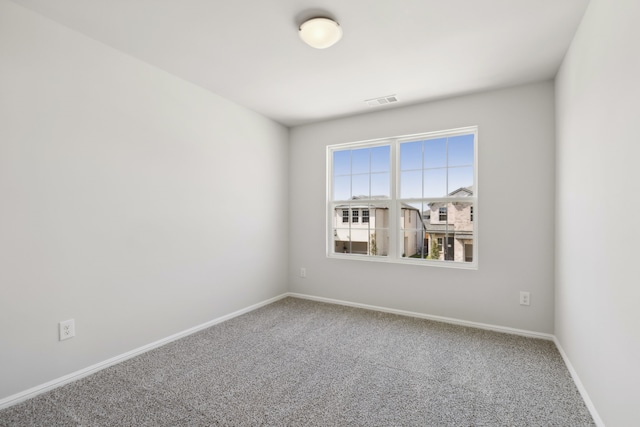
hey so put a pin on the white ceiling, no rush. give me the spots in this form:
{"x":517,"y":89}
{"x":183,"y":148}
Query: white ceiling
{"x":249,"y":51}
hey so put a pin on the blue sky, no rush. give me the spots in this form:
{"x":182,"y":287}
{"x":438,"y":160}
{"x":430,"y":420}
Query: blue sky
{"x":357,"y":167}
{"x":428,"y":168}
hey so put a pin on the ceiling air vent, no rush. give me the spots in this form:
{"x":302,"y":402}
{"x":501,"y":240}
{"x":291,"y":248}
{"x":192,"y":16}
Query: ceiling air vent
{"x":382,"y":101}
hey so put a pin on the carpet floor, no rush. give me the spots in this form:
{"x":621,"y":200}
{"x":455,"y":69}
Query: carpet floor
{"x":302,"y":363}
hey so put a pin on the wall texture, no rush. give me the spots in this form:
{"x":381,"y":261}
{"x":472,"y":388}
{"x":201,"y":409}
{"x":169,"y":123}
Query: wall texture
{"x":131,"y":201}
{"x":597,"y":292}
{"x":515,"y":212}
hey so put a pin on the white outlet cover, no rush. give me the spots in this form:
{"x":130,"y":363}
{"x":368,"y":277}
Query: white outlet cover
{"x":67,"y":329}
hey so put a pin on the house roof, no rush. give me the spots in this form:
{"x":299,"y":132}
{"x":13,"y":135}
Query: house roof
{"x":463,"y":191}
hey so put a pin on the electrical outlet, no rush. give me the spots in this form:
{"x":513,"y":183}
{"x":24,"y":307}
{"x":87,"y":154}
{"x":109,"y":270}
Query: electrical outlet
{"x":525,"y":298}
{"x":67,"y":329}
{"x":303,"y":272}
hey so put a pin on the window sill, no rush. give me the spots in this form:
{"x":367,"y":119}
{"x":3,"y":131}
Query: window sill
{"x":407,"y":261}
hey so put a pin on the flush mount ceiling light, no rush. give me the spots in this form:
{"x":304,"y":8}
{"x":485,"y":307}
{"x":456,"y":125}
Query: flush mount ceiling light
{"x":320,"y":32}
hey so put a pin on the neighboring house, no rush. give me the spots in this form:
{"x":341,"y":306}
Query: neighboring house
{"x":363,"y":229}
{"x":450,"y":227}
{"x":413,"y":229}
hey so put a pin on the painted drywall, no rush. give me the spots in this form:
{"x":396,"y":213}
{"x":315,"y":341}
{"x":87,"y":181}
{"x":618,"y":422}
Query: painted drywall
{"x":131,"y":201}
{"x":515,"y":212}
{"x":597,"y":292}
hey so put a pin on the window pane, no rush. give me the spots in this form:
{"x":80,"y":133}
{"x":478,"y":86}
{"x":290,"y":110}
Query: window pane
{"x":341,"y":241}
{"x":360,"y":186}
{"x":380,"y":185}
{"x":360,"y":160}
{"x":352,"y":177}
{"x":378,"y":217}
{"x":412,"y":229}
{"x":451,"y":226}
{"x":411,"y":184}
{"x":413,"y":244}
{"x":435,"y":153}
{"x":460,"y":178}
{"x":411,"y":213}
{"x":435,"y":182}
{"x":461,"y":150}
{"x":341,"y":187}
{"x":359,"y":238}
{"x":411,"y":155}
{"x":342,"y":162}
{"x":380,"y":159}
{"x":379,"y":242}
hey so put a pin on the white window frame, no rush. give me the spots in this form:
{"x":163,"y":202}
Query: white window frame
{"x":393,"y":204}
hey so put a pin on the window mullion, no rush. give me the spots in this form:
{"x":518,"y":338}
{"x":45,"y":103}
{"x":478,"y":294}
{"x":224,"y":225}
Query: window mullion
{"x":393,"y":208}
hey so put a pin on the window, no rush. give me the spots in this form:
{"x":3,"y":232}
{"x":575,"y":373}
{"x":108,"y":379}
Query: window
{"x":417,"y":196}
{"x":442,"y":214}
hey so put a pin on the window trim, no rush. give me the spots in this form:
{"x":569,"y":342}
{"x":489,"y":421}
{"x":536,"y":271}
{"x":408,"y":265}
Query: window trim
{"x":393,"y":204}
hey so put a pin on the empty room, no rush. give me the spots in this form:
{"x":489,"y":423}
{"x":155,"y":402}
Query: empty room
{"x":331,"y":213}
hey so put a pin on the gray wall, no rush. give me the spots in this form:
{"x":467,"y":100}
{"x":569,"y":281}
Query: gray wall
{"x":597,"y":291}
{"x":515,"y":212}
{"x":132,"y":201}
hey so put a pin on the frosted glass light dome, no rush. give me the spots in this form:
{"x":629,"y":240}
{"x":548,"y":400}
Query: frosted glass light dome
{"x":320,"y":32}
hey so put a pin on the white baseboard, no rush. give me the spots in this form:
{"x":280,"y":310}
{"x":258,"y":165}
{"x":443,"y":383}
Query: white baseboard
{"x":496,"y":328}
{"x":34,"y":391}
{"x":58,"y":382}
{"x":579,"y":385}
